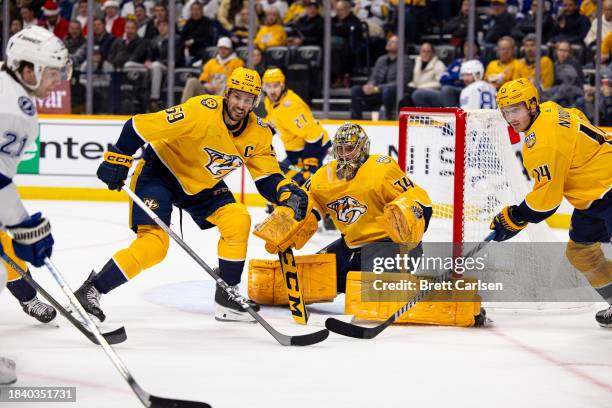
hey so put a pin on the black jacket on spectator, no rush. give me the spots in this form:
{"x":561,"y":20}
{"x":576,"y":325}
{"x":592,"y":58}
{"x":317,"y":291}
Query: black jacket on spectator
{"x":561,"y":71}
{"x":150,"y":31}
{"x":384,"y":71}
{"x":158,"y":51}
{"x":201,"y":32}
{"x":458,"y":27}
{"x":528,"y":23}
{"x":73,"y":44}
{"x":123,"y":51}
{"x":350,"y":29}
{"x":576,"y":28}
{"x":310,"y":30}
{"x":105,"y":42}
{"x":502,"y":24}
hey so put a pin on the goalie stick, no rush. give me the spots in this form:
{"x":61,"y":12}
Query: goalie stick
{"x":113,"y":337}
{"x":148,"y":400}
{"x":360,"y":332}
{"x":285,"y":340}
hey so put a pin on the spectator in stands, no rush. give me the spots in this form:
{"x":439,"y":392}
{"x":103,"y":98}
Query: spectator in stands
{"x":526,"y":66}
{"x":115,"y":24}
{"x":563,"y":56}
{"x":215,"y":72}
{"x":503,"y":69}
{"x":240,"y":31}
{"x":158,"y":62}
{"x":606,"y":48}
{"x":264,"y":5}
{"x":259,"y":64}
{"x":308,"y":29}
{"x":80,"y":15}
{"x":588,"y":8}
{"x":53,"y":22}
{"x":347,"y":37}
{"x":502,"y":22}
{"x":417,"y":16}
{"x":570,"y":25}
{"x":66,"y":7}
{"x":102,"y":38}
{"x":128,"y":10}
{"x":427,"y":72}
{"x":75,"y":38}
{"x":160,"y":13}
{"x":606,"y":24}
{"x":16,"y":26}
{"x":131,"y":48}
{"x":381,"y":88}
{"x":197,"y":34}
{"x":27,"y":16}
{"x":567,"y":89}
{"x":528,"y":24}
{"x":209,"y":9}
{"x":375,"y":14}
{"x":452,"y":84}
{"x":229,"y":10}
{"x":100,"y":80}
{"x":296,"y":11}
{"x":272,"y":33}
{"x":458,"y":27}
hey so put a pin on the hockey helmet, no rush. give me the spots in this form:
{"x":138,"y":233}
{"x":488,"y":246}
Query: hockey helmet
{"x":351,"y":148}
{"x":245,"y":80}
{"x":517,"y":91}
{"x":273,"y":75}
{"x":41,"y":48}
{"x":473,"y":67}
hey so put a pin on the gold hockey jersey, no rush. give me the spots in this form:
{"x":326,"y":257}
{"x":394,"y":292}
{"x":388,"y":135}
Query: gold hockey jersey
{"x":194,"y":143}
{"x":292,"y":118}
{"x":566,"y":156}
{"x":355,"y":205}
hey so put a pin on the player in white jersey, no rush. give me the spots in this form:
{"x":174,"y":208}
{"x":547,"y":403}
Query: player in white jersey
{"x":477,"y":94}
{"x":36,"y":63}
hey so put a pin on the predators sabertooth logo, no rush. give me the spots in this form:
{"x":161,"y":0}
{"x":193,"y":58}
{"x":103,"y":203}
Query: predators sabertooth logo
{"x":221,"y":164}
{"x":348,"y":210}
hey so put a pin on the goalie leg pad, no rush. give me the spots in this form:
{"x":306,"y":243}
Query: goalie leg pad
{"x":7,"y":247}
{"x":148,"y":249}
{"x":441,"y":308}
{"x":591,"y":261}
{"x":316,"y":273}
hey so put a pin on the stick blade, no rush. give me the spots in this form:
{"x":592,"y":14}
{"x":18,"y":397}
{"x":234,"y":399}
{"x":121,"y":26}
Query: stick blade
{"x":351,"y":330}
{"x":116,"y":336}
{"x":159,"y":402}
{"x":310,"y":338}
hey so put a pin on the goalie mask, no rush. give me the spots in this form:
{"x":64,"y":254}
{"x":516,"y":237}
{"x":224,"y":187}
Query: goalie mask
{"x":351,"y":149}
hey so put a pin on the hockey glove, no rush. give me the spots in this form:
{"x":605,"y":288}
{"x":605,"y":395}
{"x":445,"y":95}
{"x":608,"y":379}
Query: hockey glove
{"x":32,"y":239}
{"x":404,"y":220}
{"x":115,"y":167}
{"x":289,"y":194}
{"x":309,"y":167}
{"x":506,"y":225}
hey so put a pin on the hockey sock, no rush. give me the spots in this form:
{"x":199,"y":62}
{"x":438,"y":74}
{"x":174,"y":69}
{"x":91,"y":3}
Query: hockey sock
{"x":21,"y":289}
{"x":109,"y":277}
{"x":231,"y":271}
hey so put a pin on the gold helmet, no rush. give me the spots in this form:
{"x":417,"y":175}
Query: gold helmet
{"x":273,"y":75}
{"x":519,"y":90}
{"x":351,"y":148}
{"x":245,"y":80}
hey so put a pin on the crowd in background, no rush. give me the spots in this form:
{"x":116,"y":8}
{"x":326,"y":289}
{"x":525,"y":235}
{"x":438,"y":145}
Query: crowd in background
{"x":212,"y":35}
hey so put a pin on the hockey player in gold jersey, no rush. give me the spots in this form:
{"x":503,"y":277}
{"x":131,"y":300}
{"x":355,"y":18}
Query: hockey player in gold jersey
{"x":373,"y":204}
{"x":192,"y":148}
{"x":567,"y":157}
{"x":305,"y":140}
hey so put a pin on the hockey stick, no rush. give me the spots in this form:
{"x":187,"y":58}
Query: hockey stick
{"x":297,"y":305}
{"x":114,"y":337}
{"x":360,"y":332}
{"x":148,"y":400}
{"x":285,"y":340}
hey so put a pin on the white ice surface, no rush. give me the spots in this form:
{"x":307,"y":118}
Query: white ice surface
{"x":175,"y":348}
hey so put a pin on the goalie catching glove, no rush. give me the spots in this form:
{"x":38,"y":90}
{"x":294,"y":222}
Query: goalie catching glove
{"x":292,"y":223}
{"x":404,"y":220}
{"x":115,"y":167}
{"x":506,"y":225}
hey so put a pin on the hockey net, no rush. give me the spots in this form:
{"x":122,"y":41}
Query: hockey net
{"x":469,"y":162}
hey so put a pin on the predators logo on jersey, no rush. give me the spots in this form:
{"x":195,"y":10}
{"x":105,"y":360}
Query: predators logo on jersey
{"x":347,"y":209}
{"x":221,"y":164}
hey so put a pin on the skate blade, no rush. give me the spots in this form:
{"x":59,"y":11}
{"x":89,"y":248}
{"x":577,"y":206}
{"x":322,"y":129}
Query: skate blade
{"x":53,"y":323}
{"x":77,"y":316}
{"x":319,"y":320}
{"x":224,"y":314}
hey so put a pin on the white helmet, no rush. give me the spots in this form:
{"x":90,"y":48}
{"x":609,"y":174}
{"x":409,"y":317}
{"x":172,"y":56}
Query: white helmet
{"x":473,"y":67}
{"x":41,"y":48}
